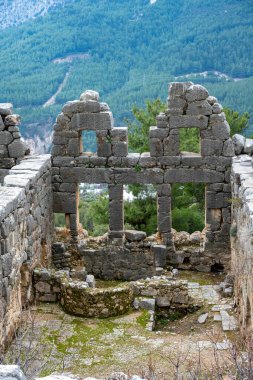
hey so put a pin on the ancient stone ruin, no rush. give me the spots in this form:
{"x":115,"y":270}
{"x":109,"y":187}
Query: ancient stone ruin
{"x":37,"y":264}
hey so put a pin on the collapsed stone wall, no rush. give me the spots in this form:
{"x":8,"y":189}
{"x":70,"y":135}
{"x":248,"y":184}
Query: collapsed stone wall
{"x":12,"y":149}
{"x":189,"y":106}
{"x":242,"y":239}
{"x":25,"y":236}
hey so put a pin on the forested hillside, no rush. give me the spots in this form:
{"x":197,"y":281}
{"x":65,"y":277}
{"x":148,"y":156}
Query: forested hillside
{"x":128,"y":50}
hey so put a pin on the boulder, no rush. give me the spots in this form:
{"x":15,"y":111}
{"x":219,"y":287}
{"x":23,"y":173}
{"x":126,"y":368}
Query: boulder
{"x":89,"y":95}
{"x":133,"y":235}
{"x":196,"y":92}
{"x":11,"y":372}
{"x":195,"y":237}
{"x":248,"y":147}
{"x":239,"y":142}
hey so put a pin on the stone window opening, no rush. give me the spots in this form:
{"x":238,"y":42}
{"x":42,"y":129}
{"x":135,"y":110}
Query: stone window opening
{"x":88,"y":143}
{"x":144,"y":197}
{"x":93,"y":208}
{"x":187,"y":140}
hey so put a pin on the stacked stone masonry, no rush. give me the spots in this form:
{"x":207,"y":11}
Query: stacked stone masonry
{"x":242,"y":239}
{"x":26,"y":230}
{"x":189,"y":106}
{"x":12,"y":149}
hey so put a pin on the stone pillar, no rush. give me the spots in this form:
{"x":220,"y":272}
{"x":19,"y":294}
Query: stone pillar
{"x":164,"y":213}
{"x":116,"y":214}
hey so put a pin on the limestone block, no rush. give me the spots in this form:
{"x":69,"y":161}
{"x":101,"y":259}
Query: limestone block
{"x":191,"y":159}
{"x":196,"y":92}
{"x":238,"y":141}
{"x":63,"y":121}
{"x":16,"y":149}
{"x":160,"y":255}
{"x":217,"y":108}
{"x":156,"y":147}
{"x":188,"y":121}
{"x":213,"y":218}
{"x":159,"y":133}
{"x":192,"y":175}
{"x":65,"y":203}
{"x":176,"y":106}
{"x":73,"y":148}
{"x":133,"y":235}
{"x":85,"y":175}
{"x":115,"y":192}
{"x":93,"y":121}
{"x":120,"y":149}
{"x":248,"y":147}
{"x":2,"y":126}
{"x":97,"y":161}
{"x":68,"y":187}
{"x":89,"y":95}
{"x":163,"y":214}
{"x":119,"y":134}
{"x":162,"y":120}
{"x":178,"y":89}
{"x":171,"y":144}
{"x":62,"y":137}
{"x":216,"y":200}
{"x":104,"y":107}
{"x":3,"y":150}
{"x":217,"y":118}
{"x":16,"y":135}
{"x":146,"y":161}
{"x":163,"y":190}
{"x":221,"y":130}
{"x":116,"y":215}
{"x":12,"y":120}
{"x":201,"y":107}
{"x":5,"y":138}
{"x":6,"y":109}
{"x":59,"y":150}
{"x":77,"y":106}
{"x":212,"y":100}
{"x":59,"y":161}
{"x":167,"y":161}
{"x":132,"y":176}
{"x":228,"y":148}
{"x":104,"y":147}
{"x":211,"y":147}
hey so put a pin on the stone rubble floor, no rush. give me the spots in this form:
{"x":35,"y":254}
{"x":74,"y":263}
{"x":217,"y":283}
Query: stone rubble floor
{"x":62,"y":343}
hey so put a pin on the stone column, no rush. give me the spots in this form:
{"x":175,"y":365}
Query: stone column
{"x":164,"y":213}
{"x":116,"y":214}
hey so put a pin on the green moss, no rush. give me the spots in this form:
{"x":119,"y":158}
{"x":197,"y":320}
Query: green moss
{"x":143,"y":319}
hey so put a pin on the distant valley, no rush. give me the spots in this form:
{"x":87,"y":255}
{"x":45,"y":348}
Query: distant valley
{"x":52,"y":50}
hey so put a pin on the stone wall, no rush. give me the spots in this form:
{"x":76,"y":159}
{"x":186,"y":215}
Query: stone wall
{"x":242,"y":239}
{"x":12,"y":149}
{"x":189,"y":106}
{"x":26,"y":231}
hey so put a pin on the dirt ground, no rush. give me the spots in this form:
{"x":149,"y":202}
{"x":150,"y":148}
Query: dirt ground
{"x":53,"y":341}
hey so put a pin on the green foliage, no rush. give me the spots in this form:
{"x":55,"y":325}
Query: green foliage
{"x":133,"y":50}
{"x":139,"y":131}
{"x":189,"y":140}
{"x":238,"y":122}
{"x":93,"y":214}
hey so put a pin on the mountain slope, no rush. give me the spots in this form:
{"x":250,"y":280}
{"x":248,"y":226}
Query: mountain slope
{"x":127,"y":50}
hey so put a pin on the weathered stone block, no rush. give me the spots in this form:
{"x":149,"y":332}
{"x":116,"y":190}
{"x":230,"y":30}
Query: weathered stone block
{"x":171,"y":145}
{"x":156,"y":147}
{"x":89,"y":95}
{"x":228,"y":148}
{"x":178,"y":89}
{"x":196,"y":92}
{"x":163,"y":190}
{"x":132,"y":176}
{"x":238,"y":141}
{"x":188,"y":121}
{"x":16,"y":149}
{"x":85,"y":175}
{"x":65,"y":203}
{"x":192,"y":175}
{"x":120,"y":149}
{"x":5,"y":138}
{"x":162,"y":120}
{"x":73,"y":148}
{"x":158,"y":133}
{"x":221,"y":130}
{"x":211,"y":147}
{"x":95,"y":121}
{"x":78,"y":106}
{"x":201,"y":107}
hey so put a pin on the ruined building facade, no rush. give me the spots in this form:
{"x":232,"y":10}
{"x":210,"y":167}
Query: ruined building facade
{"x":35,"y":187}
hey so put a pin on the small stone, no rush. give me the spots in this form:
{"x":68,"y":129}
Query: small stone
{"x":6,"y":109}
{"x":202,"y":318}
{"x":89,"y":95}
{"x":12,"y":120}
{"x":90,"y":279}
{"x":118,"y":376}
{"x":239,"y":142}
